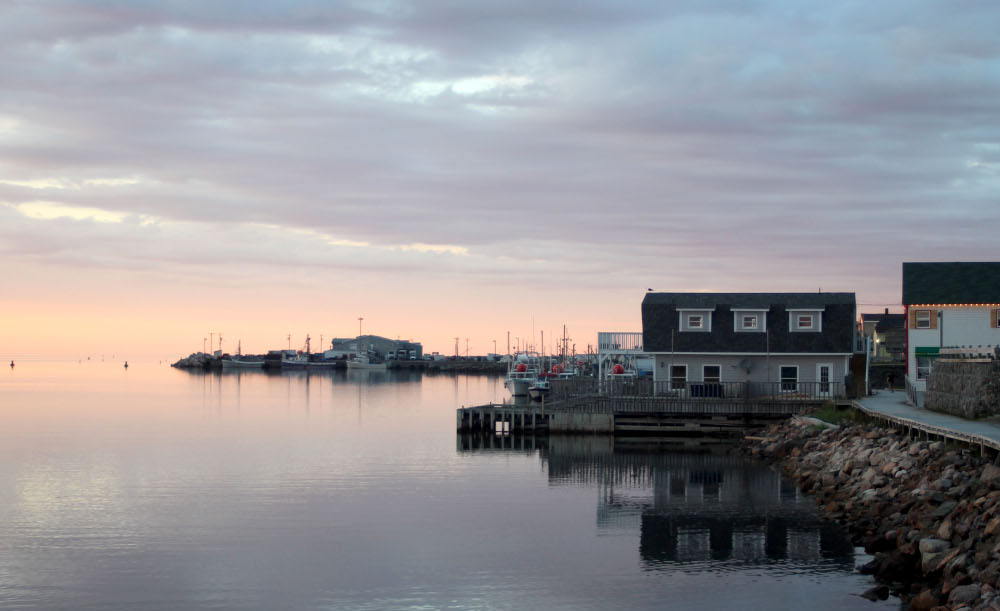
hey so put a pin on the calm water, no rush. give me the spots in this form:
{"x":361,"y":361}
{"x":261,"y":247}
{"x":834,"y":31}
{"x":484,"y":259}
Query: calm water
{"x":156,"y":488}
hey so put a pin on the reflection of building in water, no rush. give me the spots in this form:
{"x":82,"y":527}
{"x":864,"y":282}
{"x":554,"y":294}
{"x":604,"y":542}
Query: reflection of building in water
{"x":690,"y":503}
{"x":694,"y":505}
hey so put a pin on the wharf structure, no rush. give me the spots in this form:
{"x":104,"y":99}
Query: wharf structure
{"x":722,"y":362}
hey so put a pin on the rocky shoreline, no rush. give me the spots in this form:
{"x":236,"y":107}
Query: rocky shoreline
{"x":929,"y":512}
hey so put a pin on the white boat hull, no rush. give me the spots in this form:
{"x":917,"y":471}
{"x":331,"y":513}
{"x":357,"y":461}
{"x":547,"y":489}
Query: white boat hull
{"x":369,"y":366}
{"x":293,"y":364}
{"x":518,"y":387}
{"x":228,"y":364}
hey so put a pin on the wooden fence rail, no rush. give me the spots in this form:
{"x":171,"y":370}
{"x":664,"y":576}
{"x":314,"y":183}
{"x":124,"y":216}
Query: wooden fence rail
{"x":567,"y":390}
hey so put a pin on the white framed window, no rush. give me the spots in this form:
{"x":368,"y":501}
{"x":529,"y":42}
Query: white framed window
{"x":696,"y":320}
{"x":678,"y":377}
{"x":749,"y":320}
{"x":922,"y":319}
{"x":789,"y":376}
{"x":805,"y":320}
{"x":711,"y":374}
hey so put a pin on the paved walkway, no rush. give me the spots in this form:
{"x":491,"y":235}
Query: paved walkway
{"x":893,"y":406}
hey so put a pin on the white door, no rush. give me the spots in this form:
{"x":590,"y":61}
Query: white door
{"x":824,"y":377}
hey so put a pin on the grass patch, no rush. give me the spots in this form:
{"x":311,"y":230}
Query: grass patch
{"x":830,"y":413}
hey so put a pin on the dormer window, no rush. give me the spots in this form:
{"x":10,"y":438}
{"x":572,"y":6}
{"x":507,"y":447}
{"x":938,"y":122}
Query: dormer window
{"x":805,"y":320}
{"x":749,"y":320}
{"x":696,"y":320}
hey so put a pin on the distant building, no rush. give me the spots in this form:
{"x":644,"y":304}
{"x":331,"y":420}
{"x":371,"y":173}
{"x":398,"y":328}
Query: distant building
{"x":947,"y":304}
{"x":887,"y":333}
{"x":802,"y":342}
{"x":382,"y":347}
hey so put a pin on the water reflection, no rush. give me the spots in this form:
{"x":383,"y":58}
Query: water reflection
{"x":694,"y":505}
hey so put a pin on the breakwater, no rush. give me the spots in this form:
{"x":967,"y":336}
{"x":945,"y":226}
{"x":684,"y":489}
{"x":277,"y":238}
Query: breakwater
{"x":200,"y":360}
{"x":927,"y":510}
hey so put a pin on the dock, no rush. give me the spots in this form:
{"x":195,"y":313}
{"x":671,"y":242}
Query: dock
{"x":643,"y":407}
{"x":625,"y":416}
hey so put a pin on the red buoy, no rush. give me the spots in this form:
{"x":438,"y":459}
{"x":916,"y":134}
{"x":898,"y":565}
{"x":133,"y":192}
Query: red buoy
{"x":557,"y":369}
{"x":617,"y":369}
{"x":521,"y":368}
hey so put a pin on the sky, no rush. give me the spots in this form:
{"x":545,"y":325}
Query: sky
{"x":170,"y":169}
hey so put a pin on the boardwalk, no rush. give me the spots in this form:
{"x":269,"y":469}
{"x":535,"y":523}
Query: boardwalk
{"x":893,"y":408}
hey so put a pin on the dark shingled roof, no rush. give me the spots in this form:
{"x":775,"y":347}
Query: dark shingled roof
{"x":749,"y":300}
{"x":660,"y":318}
{"x":888,"y":322}
{"x":950,"y":283}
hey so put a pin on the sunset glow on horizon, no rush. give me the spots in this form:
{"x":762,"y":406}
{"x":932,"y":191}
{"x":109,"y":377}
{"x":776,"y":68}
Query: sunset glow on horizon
{"x":173,"y":170}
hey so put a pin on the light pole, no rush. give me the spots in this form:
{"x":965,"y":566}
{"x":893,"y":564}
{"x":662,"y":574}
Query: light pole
{"x":203,"y":340}
{"x":494,"y":346}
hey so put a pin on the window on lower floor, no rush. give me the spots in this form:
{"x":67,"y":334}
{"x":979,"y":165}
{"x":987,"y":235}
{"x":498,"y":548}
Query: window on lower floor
{"x":678,"y":376}
{"x":789,"y":375}
{"x":924,"y":366}
{"x":711,"y":374}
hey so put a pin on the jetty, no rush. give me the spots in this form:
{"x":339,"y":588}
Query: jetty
{"x":644,"y":407}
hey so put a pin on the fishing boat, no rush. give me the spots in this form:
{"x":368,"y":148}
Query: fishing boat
{"x":303,"y":359}
{"x":523,"y":373}
{"x":241,"y":363}
{"x":363,"y":361}
{"x":539,"y":389}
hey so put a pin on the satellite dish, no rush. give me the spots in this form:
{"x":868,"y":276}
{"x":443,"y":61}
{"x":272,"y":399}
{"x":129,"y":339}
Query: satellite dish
{"x":745,"y":365}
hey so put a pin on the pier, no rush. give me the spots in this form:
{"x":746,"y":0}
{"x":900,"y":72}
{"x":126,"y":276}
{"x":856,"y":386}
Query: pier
{"x":644,"y":407}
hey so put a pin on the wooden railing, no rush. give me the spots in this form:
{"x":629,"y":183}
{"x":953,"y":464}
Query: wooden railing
{"x":789,"y":391}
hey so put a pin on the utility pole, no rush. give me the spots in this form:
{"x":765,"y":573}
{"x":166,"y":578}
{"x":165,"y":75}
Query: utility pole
{"x":203,"y":340}
{"x":467,"y":347}
{"x":289,"y":341}
{"x":508,"y":342}
{"x":494,"y":346}
{"x":211,"y":340}
{"x":456,"y":347}
{"x":360,"y":318}
{"x":220,"y":341}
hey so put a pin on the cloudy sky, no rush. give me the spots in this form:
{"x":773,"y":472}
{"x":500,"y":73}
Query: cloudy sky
{"x":460,"y":169}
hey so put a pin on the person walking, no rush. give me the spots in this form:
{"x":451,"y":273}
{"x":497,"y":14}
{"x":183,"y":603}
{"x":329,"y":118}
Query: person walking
{"x":890,"y":381}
